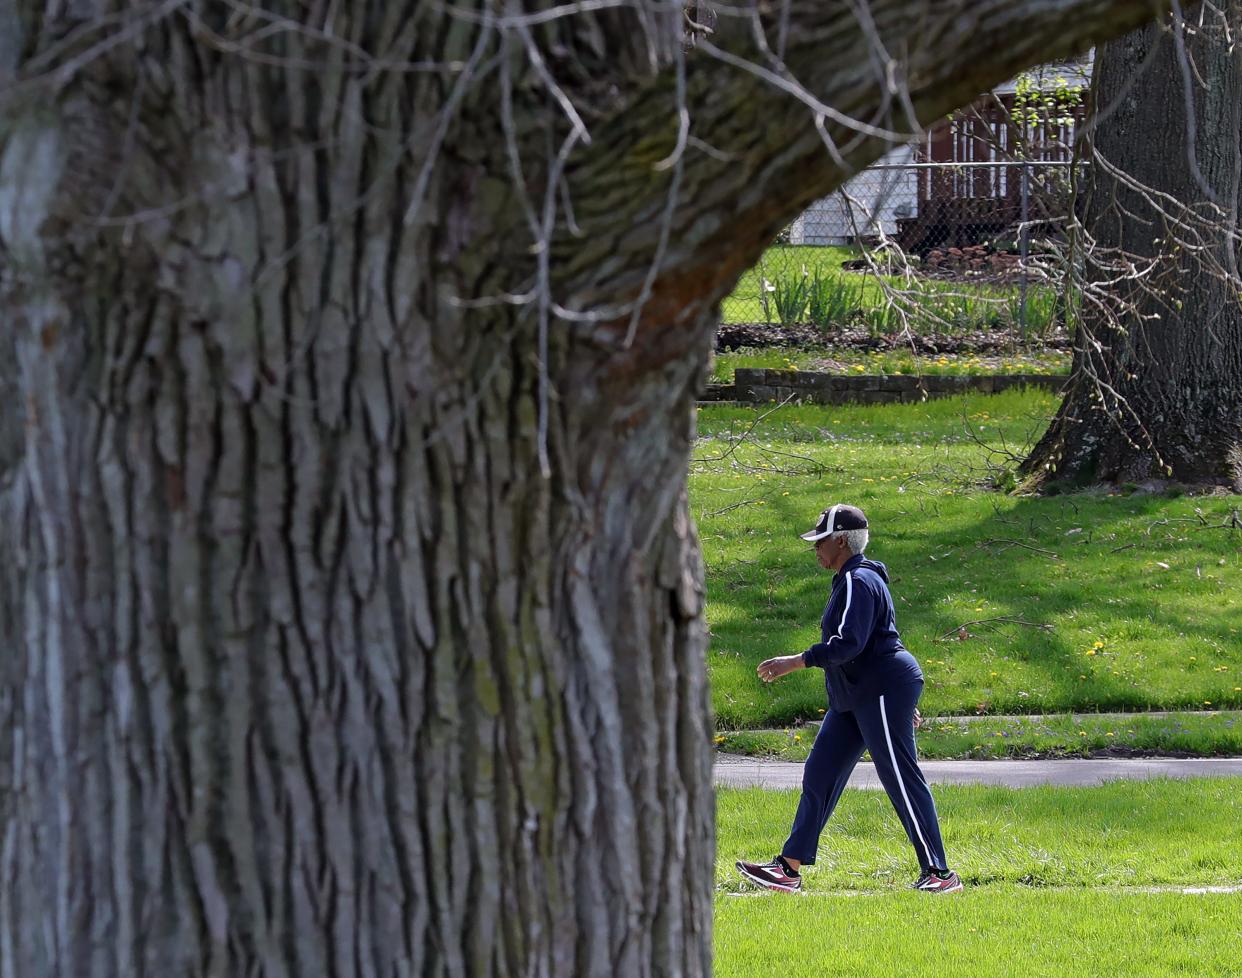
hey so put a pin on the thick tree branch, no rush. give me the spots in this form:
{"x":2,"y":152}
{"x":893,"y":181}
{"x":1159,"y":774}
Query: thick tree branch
{"x":769,"y":158}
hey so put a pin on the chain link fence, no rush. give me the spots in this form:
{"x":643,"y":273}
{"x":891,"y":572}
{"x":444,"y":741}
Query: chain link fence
{"x":929,"y":246}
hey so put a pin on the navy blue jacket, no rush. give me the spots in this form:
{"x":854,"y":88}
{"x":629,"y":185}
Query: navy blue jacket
{"x":860,"y":652}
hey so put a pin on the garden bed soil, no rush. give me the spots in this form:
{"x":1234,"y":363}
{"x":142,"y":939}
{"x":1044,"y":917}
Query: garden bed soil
{"x":732,"y":336}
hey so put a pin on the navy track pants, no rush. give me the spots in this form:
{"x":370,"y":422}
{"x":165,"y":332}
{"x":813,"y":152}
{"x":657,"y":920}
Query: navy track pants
{"x":883,"y":725}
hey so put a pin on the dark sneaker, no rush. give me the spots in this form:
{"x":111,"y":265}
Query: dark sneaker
{"x":774,"y":875}
{"x":939,"y":882}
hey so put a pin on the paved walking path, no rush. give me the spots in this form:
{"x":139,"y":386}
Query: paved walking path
{"x":741,"y":772}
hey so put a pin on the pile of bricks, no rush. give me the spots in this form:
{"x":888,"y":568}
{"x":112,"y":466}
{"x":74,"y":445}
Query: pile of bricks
{"x":973,"y":261}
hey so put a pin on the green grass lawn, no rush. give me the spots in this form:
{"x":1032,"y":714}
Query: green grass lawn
{"x":1132,"y":602}
{"x":1058,"y":735}
{"x":886,"y":362}
{"x":1004,"y":932}
{"x":1115,"y":835}
{"x":1055,"y":885}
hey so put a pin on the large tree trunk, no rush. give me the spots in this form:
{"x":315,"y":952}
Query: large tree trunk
{"x":350,"y":609}
{"x":1156,"y":388}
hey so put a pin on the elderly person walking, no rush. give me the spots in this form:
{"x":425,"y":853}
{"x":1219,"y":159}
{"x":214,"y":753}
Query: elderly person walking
{"x":874,"y":685}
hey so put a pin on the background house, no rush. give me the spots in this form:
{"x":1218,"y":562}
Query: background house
{"x":960,"y":182}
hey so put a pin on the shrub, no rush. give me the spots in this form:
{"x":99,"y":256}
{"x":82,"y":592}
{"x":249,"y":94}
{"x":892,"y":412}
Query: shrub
{"x":831,"y":300}
{"x":882,"y":320}
{"x":789,"y":295}
{"x":1041,"y":311}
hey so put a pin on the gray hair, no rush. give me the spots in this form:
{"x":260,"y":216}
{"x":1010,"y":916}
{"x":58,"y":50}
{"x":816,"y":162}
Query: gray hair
{"x":856,"y":540}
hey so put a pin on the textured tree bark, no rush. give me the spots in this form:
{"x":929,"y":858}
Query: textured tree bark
{"x":350,"y":608}
{"x":1156,"y":389}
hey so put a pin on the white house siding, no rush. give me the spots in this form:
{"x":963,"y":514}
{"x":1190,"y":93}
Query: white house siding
{"x":868,"y":204}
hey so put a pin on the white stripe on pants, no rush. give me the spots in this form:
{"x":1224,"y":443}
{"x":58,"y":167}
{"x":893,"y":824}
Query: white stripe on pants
{"x":892,"y":756}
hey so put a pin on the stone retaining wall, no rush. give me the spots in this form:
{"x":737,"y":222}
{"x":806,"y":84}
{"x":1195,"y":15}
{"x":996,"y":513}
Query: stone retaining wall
{"x":762,"y":385}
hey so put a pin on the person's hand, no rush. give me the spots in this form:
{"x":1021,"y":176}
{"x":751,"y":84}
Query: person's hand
{"x":782,"y":665}
{"x":918,"y":718}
